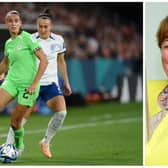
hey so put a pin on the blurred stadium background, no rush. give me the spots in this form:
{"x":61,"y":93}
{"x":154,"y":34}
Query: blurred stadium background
{"x":105,"y":61}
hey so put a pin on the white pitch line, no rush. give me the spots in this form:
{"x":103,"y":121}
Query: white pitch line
{"x":2,"y":128}
{"x":84,"y":125}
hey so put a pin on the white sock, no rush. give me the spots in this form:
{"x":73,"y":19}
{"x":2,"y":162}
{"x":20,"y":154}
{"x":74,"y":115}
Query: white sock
{"x":54,"y":124}
{"x":10,"y":136}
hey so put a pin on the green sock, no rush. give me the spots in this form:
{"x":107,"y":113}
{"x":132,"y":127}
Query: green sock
{"x":18,"y":134}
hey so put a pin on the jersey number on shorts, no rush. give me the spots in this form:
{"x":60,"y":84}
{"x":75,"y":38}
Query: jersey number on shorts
{"x":26,"y":94}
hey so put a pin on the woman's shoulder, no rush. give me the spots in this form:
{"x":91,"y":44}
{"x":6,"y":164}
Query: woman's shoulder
{"x":27,"y":37}
{"x":56,"y":37}
{"x":26,"y":34}
{"x":8,"y":41}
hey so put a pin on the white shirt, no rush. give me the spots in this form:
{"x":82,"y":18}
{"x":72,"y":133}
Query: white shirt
{"x":51,"y":47}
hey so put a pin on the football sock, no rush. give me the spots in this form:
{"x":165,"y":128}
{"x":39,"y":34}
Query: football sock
{"x":54,"y":124}
{"x":10,"y":136}
{"x":18,"y":135}
{"x":24,"y":120}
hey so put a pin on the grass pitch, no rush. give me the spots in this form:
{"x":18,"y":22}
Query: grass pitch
{"x":98,"y":134}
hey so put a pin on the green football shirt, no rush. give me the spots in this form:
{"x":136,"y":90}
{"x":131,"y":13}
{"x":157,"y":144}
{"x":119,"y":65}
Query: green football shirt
{"x":22,"y":60}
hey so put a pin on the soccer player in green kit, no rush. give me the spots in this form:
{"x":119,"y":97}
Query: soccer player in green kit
{"x":22,"y":80}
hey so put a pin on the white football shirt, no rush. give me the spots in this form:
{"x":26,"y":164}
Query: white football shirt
{"x":51,"y":47}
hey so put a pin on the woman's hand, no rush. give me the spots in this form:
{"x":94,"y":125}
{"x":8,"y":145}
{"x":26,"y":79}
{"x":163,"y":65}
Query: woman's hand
{"x":67,"y":90}
{"x":32,"y":88}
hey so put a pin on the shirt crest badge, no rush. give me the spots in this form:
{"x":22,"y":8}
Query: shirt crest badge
{"x":54,"y":47}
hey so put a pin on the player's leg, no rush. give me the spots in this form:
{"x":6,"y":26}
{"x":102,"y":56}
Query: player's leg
{"x":25,"y":103}
{"x":7,"y":92}
{"x":57,"y":104}
{"x":10,"y":136}
{"x":5,"y":98}
{"x":16,"y":119}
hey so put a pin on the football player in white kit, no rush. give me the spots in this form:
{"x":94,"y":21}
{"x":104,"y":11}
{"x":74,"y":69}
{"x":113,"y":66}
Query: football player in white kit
{"x":50,"y":92}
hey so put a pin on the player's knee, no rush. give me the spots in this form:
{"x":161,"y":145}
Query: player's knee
{"x":1,"y":107}
{"x":62,"y":113}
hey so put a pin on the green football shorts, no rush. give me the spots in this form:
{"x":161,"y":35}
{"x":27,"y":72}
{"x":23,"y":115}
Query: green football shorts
{"x":23,"y":97}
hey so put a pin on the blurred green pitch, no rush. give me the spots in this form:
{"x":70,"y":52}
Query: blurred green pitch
{"x":98,"y":134}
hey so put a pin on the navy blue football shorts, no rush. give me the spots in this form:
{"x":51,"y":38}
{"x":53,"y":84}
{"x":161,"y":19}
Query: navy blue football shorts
{"x":49,"y":91}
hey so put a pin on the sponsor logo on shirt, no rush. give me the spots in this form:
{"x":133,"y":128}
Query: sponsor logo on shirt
{"x":19,"y":47}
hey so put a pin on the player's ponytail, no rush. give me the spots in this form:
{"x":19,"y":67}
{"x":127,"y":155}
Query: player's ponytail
{"x":46,"y":14}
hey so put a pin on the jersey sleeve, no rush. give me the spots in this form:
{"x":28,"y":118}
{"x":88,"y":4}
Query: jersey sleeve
{"x":62,"y":46}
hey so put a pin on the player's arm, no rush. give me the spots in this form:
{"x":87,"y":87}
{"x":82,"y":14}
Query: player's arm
{"x":63,"y":70}
{"x":41,"y":68}
{"x":4,"y":64}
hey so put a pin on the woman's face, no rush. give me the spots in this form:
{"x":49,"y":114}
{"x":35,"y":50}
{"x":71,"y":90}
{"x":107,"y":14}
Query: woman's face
{"x":13,"y":23}
{"x":164,"y":49}
{"x":44,"y":27}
